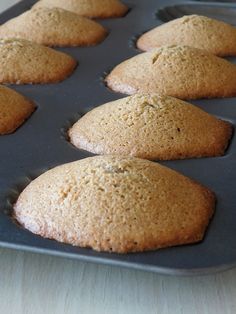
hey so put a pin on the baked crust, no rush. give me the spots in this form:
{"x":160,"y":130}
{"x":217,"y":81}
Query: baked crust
{"x":179,"y":71}
{"x":116,"y":204}
{"x":153,"y":127}
{"x":197,"y":31}
{"x":25,"y":62}
{"x":54,"y":27}
{"x":89,"y":8}
{"x":14,"y":110}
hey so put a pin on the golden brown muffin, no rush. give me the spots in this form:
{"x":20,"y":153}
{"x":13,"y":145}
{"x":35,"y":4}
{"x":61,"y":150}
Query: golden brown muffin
{"x":24,"y":62}
{"x":196,"y":31}
{"x":90,"y":8}
{"x":179,"y":71}
{"x":116,"y":204}
{"x":14,"y":110}
{"x":153,"y":127}
{"x":54,"y":27}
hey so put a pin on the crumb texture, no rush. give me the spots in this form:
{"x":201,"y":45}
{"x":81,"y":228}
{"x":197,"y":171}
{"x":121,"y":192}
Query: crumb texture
{"x":115,"y":204}
{"x":151,"y":126}
{"x":25,"y":62}
{"x":89,"y":8}
{"x":196,"y":31}
{"x":14,"y":110}
{"x":179,"y":71}
{"x":54,"y":27}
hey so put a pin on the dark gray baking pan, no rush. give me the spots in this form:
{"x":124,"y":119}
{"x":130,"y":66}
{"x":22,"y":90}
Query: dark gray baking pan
{"x":41,"y":144}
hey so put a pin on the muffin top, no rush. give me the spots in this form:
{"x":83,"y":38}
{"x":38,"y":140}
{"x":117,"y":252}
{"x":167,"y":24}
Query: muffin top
{"x":54,"y":27}
{"x":197,"y":31}
{"x":24,"y":62}
{"x":151,"y":126}
{"x":14,"y":109}
{"x":179,"y":71}
{"x":89,"y":8}
{"x":115,"y":204}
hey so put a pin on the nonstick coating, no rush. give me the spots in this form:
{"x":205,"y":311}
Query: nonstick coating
{"x":41,"y":143}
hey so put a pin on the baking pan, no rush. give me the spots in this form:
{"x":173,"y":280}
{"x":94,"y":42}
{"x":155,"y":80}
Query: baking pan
{"x":41,"y":143}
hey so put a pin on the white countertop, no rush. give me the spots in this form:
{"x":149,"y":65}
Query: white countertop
{"x":37,"y":284}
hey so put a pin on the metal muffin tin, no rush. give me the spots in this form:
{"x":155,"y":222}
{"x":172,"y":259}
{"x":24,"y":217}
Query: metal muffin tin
{"x":41,"y":143}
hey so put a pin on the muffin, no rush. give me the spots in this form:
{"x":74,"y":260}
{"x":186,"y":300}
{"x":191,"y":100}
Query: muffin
{"x":25,"y":62}
{"x":54,"y":27}
{"x":14,"y":110}
{"x":116,"y":204}
{"x":153,"y":127}
{"x":90,"y":8}
{"x":197,"y":31}
{"x":179,"y":71}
